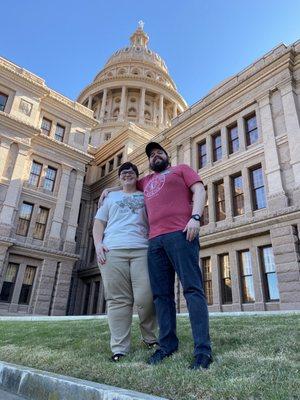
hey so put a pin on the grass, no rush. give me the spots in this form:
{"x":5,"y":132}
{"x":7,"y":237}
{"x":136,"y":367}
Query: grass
{"x":255,"y":357}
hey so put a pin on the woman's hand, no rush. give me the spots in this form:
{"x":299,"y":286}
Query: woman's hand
{"x":102,"y":197}
{"x":100,"y":251}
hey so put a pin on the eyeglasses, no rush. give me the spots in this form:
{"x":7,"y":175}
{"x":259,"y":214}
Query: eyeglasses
{"x":123,"y":173}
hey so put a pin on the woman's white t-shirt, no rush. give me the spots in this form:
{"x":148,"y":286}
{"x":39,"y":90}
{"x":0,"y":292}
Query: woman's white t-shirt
{"x":126,"y":218}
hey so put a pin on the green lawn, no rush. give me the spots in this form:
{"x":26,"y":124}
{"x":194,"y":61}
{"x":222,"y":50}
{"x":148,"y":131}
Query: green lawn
{"x":255,"y":357}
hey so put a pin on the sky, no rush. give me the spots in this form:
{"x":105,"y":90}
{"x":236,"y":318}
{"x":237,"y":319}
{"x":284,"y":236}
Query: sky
{"x":67,"y":42}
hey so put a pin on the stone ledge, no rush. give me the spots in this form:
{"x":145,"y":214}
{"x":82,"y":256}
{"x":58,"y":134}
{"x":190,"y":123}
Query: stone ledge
{"x":34,"y":384}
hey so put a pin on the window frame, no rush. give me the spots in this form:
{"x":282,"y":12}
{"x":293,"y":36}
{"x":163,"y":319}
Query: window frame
{"x":236,"y":195}
{"x":265,"y":275}
{"x":207,"y":280}
{"x":215,"y":148}
{"x":27,"y":286}
{"x":28,"y":220}
{"x":32,"y":174}
{"x":201,"y":156}
{"x":244,"y":276}
{"x":38,"y":223}
{"x":249,"y":132}
{"x":219,"y":202}
{"x":231,"y":140}
{"x":59,"y":138}
{"x":254,"y":190}
{"x":45,"y":130}
{"x":47,"y":179}
{"x":5,"y":96}
{"x":223,"y":278}
{"x":12,"y":286}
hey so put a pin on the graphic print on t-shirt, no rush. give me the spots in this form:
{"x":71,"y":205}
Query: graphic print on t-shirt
{"x":154,"y":185}
{"x":132,"y":203}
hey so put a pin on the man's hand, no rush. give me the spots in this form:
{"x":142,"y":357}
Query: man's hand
{"x":192,"y":229}
{"x":100,"y":251}
{"x":102,"y":197}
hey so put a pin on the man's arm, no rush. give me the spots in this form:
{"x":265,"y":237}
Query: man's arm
{"x":105,"y":193}
{"x":98,"y":231}
{"x":199,"y":196}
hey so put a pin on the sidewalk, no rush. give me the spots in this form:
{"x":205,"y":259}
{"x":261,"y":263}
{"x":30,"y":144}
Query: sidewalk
{"x":33,"y":384}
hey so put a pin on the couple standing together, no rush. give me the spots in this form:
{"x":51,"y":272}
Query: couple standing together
{"x":138,"y":267}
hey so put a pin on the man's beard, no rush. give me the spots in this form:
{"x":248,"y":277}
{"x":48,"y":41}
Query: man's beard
{"x":159,"y":167}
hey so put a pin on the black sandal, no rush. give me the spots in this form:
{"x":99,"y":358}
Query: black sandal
{"x":117,"y":357}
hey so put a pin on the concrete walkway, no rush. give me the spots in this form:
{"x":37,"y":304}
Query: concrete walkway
{"x":33,"y":384}
{"x":104,"y":316}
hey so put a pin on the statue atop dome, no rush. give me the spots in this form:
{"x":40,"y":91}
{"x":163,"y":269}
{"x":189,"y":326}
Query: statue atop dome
{"x":139,"y":37}
{"x":141,"y":25}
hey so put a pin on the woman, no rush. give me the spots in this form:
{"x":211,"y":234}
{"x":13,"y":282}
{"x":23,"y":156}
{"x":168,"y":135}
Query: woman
{"x":121,"y":240}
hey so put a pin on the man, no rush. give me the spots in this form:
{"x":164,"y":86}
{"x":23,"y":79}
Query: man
{"x":175,"y":198}
{"x":121,"y":240}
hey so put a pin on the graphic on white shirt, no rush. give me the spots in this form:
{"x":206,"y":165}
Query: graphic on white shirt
{"x":154,"y":185}
{"x":132,"y":203}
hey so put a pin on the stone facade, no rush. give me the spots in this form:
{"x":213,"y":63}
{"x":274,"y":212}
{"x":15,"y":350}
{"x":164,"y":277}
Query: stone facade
{"x":243,"y":138}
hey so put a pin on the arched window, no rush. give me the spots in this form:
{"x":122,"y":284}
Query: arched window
{"x":147,"y":115}
{"x":132,"y":112}
{"x":116,"y":112}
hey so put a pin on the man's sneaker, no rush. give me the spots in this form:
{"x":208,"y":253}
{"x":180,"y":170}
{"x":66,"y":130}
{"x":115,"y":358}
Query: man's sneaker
{"x":116,"y":357}
{"x":150,"y":346}
{"x":201,"y":361}
{"x":158,"y":357}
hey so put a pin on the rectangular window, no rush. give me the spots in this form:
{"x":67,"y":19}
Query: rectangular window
{"x":207,"y":279}
{"x":103,"y":169}
{"x":220,"y":201}
{"x":41,"y":222}
{"x":24,"y":219}
{"x":27,"y":285}
{"x":246,"y":277}
{"x":119,"y":159}
{"x":110,"y":165}
{"x":46,"y":126}
{"x":50,"y":179}
{"x":96,"y":297}
{"x":270,"y":276}
{"x":202,"y":156}
{"x":258,"y":188}
{"x":3,"y":101}
{"x":35,"y":173}
{"x":9,"y":282}
{"x":233,"y":139}
{"x":225,"y":279}
{"x":251,"y":130}
{"x":60,"y":132}
{"x":237,"y":195}
{"x":217,"y":147}
{"x":205,"y":215}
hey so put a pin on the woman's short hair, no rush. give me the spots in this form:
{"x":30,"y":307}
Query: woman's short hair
{"x":128,"y":165}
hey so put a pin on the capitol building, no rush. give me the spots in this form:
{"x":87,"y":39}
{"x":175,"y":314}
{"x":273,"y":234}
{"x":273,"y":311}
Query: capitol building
{"x":58,"y":155}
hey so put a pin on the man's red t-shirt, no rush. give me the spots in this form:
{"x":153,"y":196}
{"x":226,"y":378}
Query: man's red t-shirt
{"x":168,"y":198}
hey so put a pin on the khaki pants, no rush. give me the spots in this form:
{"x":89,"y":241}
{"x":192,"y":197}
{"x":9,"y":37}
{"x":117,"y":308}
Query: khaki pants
{"x":126,"y":284}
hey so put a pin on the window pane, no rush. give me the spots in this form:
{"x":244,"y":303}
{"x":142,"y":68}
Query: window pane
{"x":272,"y":286}
{"x":248,"y":289}
{"x":246,"y":277}
{"x":41,"y":221}
{"x":46,"y":126}
{"x":27,"y":285}
{"x":257,"y":178}
{"x":260,"y":198}
{"x":269,"y":262}
{"x":220,"y":201}
{"x":3,"y":100}
{"x":271,"y":283}
{"x":9,"y":282}
{"x":50,"y":178}
{"x":59,"y":132}
{"x":35,"y":173}
{"x":207,"y":279}
{"x":202,"y":160}
{"x":24,"y":219}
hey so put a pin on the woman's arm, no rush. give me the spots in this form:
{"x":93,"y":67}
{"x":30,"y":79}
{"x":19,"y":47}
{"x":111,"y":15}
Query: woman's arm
{"x":98,"y":232}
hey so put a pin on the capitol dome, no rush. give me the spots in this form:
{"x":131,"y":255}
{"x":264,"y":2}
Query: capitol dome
{"x":134,"y":86}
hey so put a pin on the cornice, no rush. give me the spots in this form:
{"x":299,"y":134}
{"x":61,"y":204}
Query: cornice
{"x":22,"y":126}
{"x":62,"y":148}
{"x":133,"y":79}
{"x":218,"y":97}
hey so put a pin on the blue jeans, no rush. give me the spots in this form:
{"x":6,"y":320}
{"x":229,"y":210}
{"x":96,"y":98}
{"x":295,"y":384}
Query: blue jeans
{"x":167,"y":254}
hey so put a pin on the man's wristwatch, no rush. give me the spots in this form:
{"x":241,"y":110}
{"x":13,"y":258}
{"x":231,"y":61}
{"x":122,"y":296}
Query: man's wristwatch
{"x":196,"y":217}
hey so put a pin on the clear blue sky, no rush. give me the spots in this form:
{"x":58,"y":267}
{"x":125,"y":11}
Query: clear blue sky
{"x":203,"y":42}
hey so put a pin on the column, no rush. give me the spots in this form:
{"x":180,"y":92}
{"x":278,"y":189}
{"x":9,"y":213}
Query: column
{"x":90,"y":101}
{"x":61,"y":293}
{"x":247,"y":193}
{"x":211,"y":205}
{"x":161,"y":110}
{"x":142,"y":106}
{"x":103,"y":105}
{"x":209,"y":150}
{"x":57,"y":220}
{"x":3,"y":257}
{"x":293,"y":131}
{"x":276,"y":196}
{"x":241,"y":132}
{"x":235,"y":281}
{"x":73,"y":217}
{"x":13,"y":193}
{"x":174,"y":110}
{"x":224,"y":140}
{"x":228,"y":202}
{"x":187,"y":151}
{"x":155,"y":112}
{"x":215,"y":277}
{"x":4,"y":151}
{"x":123,"y":104}
{"x":45,"y":286}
